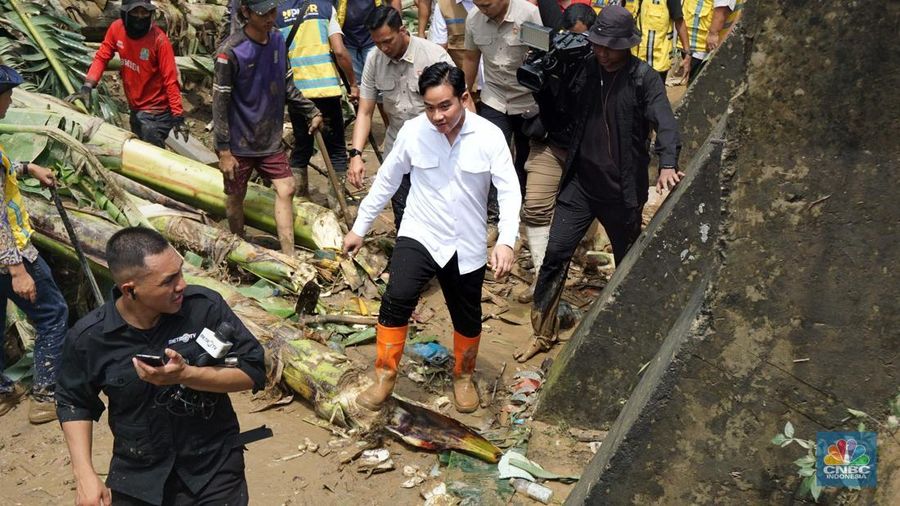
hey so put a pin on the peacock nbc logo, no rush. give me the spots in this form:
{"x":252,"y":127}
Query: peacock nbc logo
{"x":846,"y":452}
{"x":846,"y":459}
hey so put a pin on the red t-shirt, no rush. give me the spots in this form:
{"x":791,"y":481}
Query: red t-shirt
{"x":149,"y":74}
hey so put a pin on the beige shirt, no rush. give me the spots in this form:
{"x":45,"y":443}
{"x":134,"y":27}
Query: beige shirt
{"x":398,"y":82}
{"x":502,"y":54}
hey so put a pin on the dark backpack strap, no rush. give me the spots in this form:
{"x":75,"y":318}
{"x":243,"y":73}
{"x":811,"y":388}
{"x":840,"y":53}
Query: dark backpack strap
{"x":637,"y":78}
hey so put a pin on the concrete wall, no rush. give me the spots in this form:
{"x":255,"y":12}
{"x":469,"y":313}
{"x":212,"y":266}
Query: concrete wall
{"x":800,"y":320}
{"x":626,"y":324}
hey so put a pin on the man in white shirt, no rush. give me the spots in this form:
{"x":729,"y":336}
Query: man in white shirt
{"x":452,"y":158}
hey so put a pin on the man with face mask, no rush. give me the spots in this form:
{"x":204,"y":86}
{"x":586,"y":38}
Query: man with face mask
{"x":149,"y":75}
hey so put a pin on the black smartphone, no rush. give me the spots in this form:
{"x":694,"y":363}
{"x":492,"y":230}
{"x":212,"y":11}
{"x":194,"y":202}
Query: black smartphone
{"x":151,"y":360}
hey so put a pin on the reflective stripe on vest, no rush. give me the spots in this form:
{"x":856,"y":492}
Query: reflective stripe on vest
{"x":315,"y":74}
{"x":657,"y":33}
{"x":455,"y":19}
{"x":698,"y":16}
{"x":19,"y":223}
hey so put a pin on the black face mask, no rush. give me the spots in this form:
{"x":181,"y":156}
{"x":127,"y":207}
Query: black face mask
{"x":136,"y":27}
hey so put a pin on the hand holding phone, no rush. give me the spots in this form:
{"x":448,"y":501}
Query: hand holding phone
{"x":151,"y":360}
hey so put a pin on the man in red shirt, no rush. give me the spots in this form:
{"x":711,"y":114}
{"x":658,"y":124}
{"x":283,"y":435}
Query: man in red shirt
{"x":149,"y":74}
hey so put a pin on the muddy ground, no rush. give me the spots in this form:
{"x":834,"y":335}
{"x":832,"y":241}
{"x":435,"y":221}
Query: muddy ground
{"x":35,"y":468}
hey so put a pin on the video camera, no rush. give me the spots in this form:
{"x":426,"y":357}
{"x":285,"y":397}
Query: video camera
{"x":553,"y":54}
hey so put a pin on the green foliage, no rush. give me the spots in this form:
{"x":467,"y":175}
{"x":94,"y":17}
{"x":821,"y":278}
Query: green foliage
{"x":20,"y":50}
{"x":806,"y":465}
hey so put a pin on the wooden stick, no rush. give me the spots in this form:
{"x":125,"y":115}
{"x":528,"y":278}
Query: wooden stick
{"x":335,"y":183}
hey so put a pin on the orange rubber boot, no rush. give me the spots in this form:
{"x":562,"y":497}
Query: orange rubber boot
{"x":465,"y":350}
{"x":389,"y":342}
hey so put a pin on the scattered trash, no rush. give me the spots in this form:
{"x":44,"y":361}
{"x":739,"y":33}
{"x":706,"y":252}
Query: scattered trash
{"x":516,"y":459}
{"x":437,"y":495}
{"x":416,"y":477}
{"x":535,"y":491}
{"x":432,"y":353}
{"x":507,"y":470}
{"x":423,"y":314}
{"x":375,"y":461}
{"x":416,"y":376}
{"x":475,"y":482}
{"x":310,"y":446}
{"x":441,"y":403}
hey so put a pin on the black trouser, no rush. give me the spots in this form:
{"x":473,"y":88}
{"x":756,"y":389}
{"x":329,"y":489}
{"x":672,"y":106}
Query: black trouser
{"x":152,"y":127}
{"x":227,"y":487}
{"x":573,"y":215}
{"x":398,"y":201}
{"x":696,"y":66}
{"x":411,"y":269}
{"x":332,"y":134}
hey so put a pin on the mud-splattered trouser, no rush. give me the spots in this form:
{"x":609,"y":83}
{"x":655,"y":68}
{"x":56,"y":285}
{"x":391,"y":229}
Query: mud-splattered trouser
{"x":411,"y":269}
{"x":49,"y":314}
{"x":574,"y":213}
{"x":152,"y":127}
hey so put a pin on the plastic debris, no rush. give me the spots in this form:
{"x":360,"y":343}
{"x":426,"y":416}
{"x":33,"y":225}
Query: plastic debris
{"x":432,"y":353}
{"x":416,"y":477}
{"x":534,"y":469}
{"x":507,"y":470}
{"x":535,"y":491}
{"x":375,"y":461}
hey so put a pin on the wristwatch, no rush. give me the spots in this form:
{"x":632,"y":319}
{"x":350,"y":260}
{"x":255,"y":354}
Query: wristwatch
{"x":353,"y":152}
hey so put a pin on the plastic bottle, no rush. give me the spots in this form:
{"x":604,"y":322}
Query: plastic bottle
{"x":533,"y":490}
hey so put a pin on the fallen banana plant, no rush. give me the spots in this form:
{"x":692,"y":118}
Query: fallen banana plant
{"x":326,"y":379}
{"x":178,"y":177}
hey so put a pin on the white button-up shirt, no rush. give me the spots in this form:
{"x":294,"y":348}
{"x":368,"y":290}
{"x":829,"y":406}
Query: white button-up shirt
{"x":446,"y":210}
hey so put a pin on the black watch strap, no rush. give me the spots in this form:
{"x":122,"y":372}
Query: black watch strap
{"x":353,"y":152}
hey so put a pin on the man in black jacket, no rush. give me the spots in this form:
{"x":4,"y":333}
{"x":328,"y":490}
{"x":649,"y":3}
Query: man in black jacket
{"x":616,"y":100}
{"x":175,"y":434}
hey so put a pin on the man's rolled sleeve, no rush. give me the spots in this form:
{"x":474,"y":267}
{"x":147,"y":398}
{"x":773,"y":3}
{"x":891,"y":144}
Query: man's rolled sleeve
{"x":77,"y":394}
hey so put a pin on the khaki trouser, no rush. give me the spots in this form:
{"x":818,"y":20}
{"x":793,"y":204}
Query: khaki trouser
{"x":543,"y":169}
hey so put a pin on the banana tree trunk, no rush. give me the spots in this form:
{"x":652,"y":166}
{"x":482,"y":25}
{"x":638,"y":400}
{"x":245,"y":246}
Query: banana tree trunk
{"x":326,"y":379}
{"x":188,"y":181}
{"x":219,"y":244}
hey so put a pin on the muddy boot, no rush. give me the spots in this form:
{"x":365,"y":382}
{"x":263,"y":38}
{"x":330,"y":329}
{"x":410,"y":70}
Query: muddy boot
{"x":8,"y":400}
{"x":537,"y":244}
{"x":42,"y":408}
{"x":465,"y":394}
{"x":538,"y":344}
{"x":301,"y":181}
{"x":389,"y":342}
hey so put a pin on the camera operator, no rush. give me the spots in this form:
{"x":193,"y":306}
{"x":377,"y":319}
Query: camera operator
{"x":175,"y":433}
{"x":549,"y":149}
{"x":616,"y":100}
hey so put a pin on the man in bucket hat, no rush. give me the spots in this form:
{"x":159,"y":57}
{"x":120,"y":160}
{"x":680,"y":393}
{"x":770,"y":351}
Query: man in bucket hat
{"x":616,"y":100}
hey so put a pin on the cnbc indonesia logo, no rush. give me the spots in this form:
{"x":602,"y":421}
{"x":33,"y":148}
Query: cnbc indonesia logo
{"x":847,"y":461}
